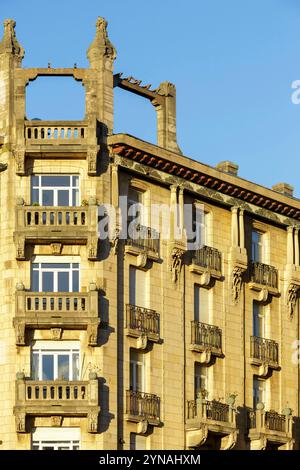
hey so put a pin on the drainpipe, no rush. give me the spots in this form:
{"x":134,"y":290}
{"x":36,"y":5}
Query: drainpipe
{"x":184,"y":357}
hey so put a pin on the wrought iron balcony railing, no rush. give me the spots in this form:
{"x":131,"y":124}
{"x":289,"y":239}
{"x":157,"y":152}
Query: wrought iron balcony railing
{"x":210,"y":410}
{"x":141,"y":405}
{"x":145,"y":238}
{"x":269,"y":420}
{"x":142,"y":320}
{"x":208,"y":336}
{"x":208,"y":257}
{"x":264,"y":350}
{"x":264,"y":274}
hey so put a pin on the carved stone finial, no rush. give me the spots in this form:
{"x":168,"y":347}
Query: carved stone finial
{"x":101,"y":45}
{"x":9,"y":43}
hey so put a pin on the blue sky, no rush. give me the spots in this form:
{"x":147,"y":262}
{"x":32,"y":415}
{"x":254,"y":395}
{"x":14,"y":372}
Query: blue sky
{"x":233,"y":63}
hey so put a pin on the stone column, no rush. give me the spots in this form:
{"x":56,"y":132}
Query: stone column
{"x":242,"y":229}
{"x":290,"y":245}
{"x":181,"y":209}
{"x":296,"y":246}
{"x":174,"y":214}
{"x":166,"y":117}
{"x":234,"y":226}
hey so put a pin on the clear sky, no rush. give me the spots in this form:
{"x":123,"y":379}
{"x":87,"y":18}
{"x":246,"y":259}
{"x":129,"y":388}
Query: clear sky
{"x":233,"y":63}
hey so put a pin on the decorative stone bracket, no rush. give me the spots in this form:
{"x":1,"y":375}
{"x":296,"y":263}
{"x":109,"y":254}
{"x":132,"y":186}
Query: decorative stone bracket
{"x":176,"y":260}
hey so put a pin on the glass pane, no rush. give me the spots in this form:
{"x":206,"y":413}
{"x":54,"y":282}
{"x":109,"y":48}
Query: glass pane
{"x":34,"y":281}
{"x":56,"y":180}
{"x":34,"y":180}
{"x":75,"y":180}
{"x":35,"y":447}
{"x":63,"y":367}
{"x":63,"y":198}
{"x":75,"y":197}
{"x":34,"y":196}
{"x":75,"y":265}
{"x":63,"y":282}
{"x":75,"y":281}
{"x":47,"y":199}
{"x":75,"y":358}
{"x":48,"y":367}
{"x":35,"y":367}
{"x":56,"y":265}
{"x":47,"y":282}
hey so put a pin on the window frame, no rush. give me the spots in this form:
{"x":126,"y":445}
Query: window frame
{"x":42,"y":350}
{"x":54,"y":270}
{"x":40,"y":188}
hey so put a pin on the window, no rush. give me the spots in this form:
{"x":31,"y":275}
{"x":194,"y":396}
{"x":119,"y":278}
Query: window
{"x":135,"y":205}
{"x":259,"y":391}
{"x":137,"y":371}
{"x":138,"y":287}
{"x":56,"y":439}
{"x":55,"y":190}
{"x":201,"y":306}
{"x":197,"y":234}
{"x":55,"y":277}
{"x":258,"y":320}
{"x":257,"y":246}
{"x":55,"y":360}
{"x":201,"y":378}
{"x":137,"y":442}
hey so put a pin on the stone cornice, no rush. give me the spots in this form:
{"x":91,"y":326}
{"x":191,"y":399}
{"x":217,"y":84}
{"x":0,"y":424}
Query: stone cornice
{"x":220,"y":186}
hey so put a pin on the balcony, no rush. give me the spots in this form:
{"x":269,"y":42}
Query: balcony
{"x":264,"y":279}
{"x":269,"y":430}
{"x":56,"y":226}
{"x":211,"y":418}
{"x":142,"y":407}
{"x":57,"y":311}
{"x":206,"y":340}
{"x":144,"y":244}
{"x":264,"y":353}
{"x":207,"y":262}
{"x":58,"y":139}
{"x":56,"y":398}
{"x":143,"y":324}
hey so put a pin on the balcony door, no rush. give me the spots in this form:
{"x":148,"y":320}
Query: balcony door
{"x":258,"y":246}
{"x":55,"y":190}
{"x":259,"y":392}
{"x":55,"y":277}
{"x":55,"y":361}
{"x":137,"y":371}
{"x":64,"y":438}
{"x":201,"y":304}
{"x":201,"y":379}
{"x":258,"y":320}
{"x":138,"y":287}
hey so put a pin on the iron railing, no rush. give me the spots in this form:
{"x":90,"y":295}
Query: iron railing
{"x":208,"y":257}
{"x":211,"y":410}
{"x":265,"y":350}
{"x":264,"y":274}
{"x":208,"y":336}
{"x":145,"y":238}
{"x":142,"y":320}
{"x":275,"y":421}
{"x":143,"y":405}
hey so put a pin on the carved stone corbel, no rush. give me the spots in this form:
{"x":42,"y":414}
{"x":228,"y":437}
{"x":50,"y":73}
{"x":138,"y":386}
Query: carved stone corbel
{"x":92,"y":161}
{"x":141,"y":260}
{"x":204,"y":279}
{"x":92,"y":332}
{"x":56,"y":248}
{"x":205,"y":356}
{"x":259,"y":444}
{"x":197,"y":437}
{"x":20,"y":421}
{"x":141,"y":342}
{"x":56,"y":421}
{"x":92,"y":421}
{"x":20,"y":332}
{"x":115,"y":241}
{"x":229,"y":442}
{"x":92,"y":248}
{"x":20,"y":255}
{"x":263,"y":369}
{"x":263,"y":295}
{"x":291,"y":298}
{"x":176,"y":263}
{"x":142,"y":427}
{"x":20,"y":161}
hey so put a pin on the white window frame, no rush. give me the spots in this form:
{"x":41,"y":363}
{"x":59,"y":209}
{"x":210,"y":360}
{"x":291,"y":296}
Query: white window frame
{"x":58,"y":260}
{"x":198,"y":315}
{"x":259,"y":382}
{"x":55,"y":437}
{"x":55,"y":189}
{"x":258,"y":247}
{"x":134,"y":366}
{"x":56,"y":348}
{"x":261,"y":319}
{"x":141,"y":206}
{"x":199,"y":377}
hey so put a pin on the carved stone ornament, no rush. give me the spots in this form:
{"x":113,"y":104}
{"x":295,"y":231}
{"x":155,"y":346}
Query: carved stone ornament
{"x":115,"y":241}
{"x":229,"y":442}
{"x":56,"y":333}
{"x":142,"y":427}
{"x":21,"y":422}
{"x":56,"y":421}
{"x":236,"y":283}
{"x":142,"y":341}
{"x":93,"y":421}
{"x":176,"y":263}
{"x":56,"y":249}
{"x":20,"y":333}
{"x":291,"y":298}
{"x":142,"y":259}
{"x":197,"y":437}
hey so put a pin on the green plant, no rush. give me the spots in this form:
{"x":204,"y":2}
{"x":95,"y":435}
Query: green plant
{"x":84,"y":202}
{"x":35,"y":204}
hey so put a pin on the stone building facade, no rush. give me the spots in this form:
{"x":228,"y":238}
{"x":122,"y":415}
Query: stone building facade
{"x":138,"y":343}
